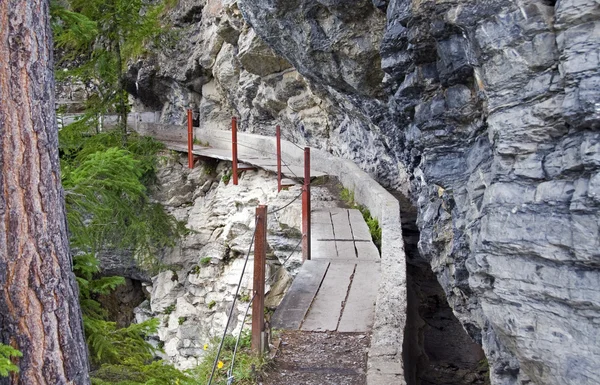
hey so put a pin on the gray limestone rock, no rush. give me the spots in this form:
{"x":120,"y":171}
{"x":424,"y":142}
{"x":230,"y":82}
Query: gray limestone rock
{"x":486,"y":112}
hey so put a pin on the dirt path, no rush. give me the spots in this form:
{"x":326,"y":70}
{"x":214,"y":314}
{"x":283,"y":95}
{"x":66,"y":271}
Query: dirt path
{"x":311,"y":358}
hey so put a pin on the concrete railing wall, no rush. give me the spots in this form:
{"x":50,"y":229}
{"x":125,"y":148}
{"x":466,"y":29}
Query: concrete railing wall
{"x":385,"y":354}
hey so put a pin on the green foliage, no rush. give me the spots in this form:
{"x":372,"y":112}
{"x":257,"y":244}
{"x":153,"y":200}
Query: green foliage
{"x":347,"y":196}
{"x":155,"y":373}
{"x":226,"y":177}
{"x":373,"y":224}
{"x":6,"y":365}
{"x":106,"y":197}
{"x":247,"y":367}
{"x":170,"y":309}
{"x":108,"y":209}
{"x":181,"y":320}
{"x":112,"y":345}
{"x":245,"y":297}
{"x":195,"y":270}
{"x":95,"y":40}
{"x":211,"y":304}
{"x":205,"y":261}
{"x":201,"y":143}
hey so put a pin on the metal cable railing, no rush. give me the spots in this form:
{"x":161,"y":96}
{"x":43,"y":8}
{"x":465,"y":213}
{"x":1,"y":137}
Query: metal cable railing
{"x":286,"y":205}
{"x":230,"y":377}
{"x":237,"y":290}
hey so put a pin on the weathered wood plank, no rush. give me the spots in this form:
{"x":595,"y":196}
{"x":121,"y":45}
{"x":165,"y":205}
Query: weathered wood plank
{"x":320,"y":216}
{"x":367,"y":251}
{"x":360,"y":230}
{"x":359,"y":310}
{"x":291,"y":311}
{"x":345,"y":249}
{"x":341,"y":224}
{"x":325,"y":312}
{"x":323,"y":250}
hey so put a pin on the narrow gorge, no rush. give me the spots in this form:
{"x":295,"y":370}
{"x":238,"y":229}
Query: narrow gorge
{"x":481,"y":117}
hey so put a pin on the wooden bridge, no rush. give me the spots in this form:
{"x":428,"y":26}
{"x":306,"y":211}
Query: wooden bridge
{"x":336,"y":288}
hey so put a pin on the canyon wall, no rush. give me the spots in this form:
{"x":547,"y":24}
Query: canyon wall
{"x":486,"y":114}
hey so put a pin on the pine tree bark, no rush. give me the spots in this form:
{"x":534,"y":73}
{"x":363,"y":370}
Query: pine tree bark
{"x":39,"y":306}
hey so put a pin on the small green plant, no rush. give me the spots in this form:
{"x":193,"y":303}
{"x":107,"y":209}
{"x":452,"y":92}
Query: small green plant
{"x":245,"y":297}
{"x":373,"y":224}
{"x":247,"y":366}
{"x":6,"y":365}
{"x":226,"y":177}
{"x":181,"y":320}
{"x":195,"y":270}
{"x":169,"y":309}
{"x":205,"y":261}
{"x":211,"y":304}
{"x":201,"y":143}
{"x":347,"y":196}
{"x":209,"y":168}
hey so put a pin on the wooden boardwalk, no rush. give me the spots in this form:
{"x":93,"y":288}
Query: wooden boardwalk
{"x":246,"y":158}
{"x":336,"y":290}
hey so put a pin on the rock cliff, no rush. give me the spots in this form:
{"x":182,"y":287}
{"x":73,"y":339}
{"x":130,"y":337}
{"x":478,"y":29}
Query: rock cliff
{"x":485,"y":113}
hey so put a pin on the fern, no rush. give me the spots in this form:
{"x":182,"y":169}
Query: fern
{"x":6,"y":365}
{"x":112,"y":345}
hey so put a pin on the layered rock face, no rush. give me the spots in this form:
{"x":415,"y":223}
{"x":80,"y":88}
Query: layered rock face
{"x":487,"y":111}
{"x":494,"y":109}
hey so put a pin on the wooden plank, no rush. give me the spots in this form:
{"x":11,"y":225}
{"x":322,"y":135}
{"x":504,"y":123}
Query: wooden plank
{"x":320,"y":216}
{"x":359,"y":311}
{"x":322,"y":231}
{"x":325,"y":312}
{"x":341,"y":224}
{"x":345,"y":249}
{"x":245,"y":167}
{"x":261,"y":162}
{"x":367,"y":251}
{"x":293,"y":308}
{"x":288,"y":182}
{"x":360,"y":230}
{"x":323,"y":250}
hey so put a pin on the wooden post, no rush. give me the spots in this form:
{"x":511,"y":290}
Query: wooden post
{"x":278,"y":136}
{"x":234,"y":158}
{"x":190,"y":119}
{"x":306,"y":207}
{"x":260,"y":255}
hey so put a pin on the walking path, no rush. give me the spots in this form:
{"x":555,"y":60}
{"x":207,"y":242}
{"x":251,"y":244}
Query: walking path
{"x":337,"y":289}
{"x":335,"y":292}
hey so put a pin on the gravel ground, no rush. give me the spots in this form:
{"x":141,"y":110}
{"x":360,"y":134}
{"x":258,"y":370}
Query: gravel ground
{"x":308,"y":358}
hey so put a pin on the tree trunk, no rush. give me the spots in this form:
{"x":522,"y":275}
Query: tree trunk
{"x":39,"y":306}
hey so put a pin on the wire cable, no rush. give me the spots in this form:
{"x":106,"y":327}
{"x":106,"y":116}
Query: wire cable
{"x":285,"y":260}
{"x":230,"y":377}
{"x":232,"y":306}
{"x":286,"y":205}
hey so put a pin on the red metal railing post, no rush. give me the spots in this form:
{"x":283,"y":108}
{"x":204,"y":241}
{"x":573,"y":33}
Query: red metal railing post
{"x":306,"y":207}
{"x":278,"y":136}
{"x":190,"y":119}
{"x":234,"y":158}
{"x":258,"y":288}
